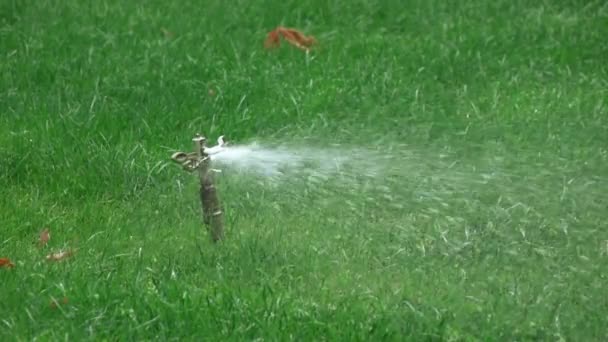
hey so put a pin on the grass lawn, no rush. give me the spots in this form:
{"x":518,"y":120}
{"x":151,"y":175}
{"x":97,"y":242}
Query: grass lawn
{"x":487,"y":219}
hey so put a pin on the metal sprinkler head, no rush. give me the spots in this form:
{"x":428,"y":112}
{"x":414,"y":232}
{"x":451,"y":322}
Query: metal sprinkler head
{"x":200,"y":160}
{"x":199,"y":145}
{"x":201,"y":155}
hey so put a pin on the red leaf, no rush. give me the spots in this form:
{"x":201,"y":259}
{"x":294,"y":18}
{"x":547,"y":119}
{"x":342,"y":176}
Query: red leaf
{"x":272,"y":39}
{"x":6,"y":262}
{"x":292,"y":36}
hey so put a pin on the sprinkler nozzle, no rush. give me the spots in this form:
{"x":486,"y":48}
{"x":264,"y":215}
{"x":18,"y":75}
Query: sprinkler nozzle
{"x":215,"y":149}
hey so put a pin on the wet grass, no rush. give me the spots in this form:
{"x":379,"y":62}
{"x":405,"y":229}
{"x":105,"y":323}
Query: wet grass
{"x":488,"y":221}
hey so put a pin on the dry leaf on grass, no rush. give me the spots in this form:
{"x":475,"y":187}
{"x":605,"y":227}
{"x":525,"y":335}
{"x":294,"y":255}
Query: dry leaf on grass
{"x":59,"y":256}
{"x":56,"y":302}
{"x":168,"y":34}
{"x":6,"y":262}
{"x":292,"y":36}
{"x":44,"y":237}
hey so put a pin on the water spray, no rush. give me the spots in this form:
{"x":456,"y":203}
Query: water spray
{"x":200,"y":160}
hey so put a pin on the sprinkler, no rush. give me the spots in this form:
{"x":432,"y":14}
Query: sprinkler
{"x":200,"y":160}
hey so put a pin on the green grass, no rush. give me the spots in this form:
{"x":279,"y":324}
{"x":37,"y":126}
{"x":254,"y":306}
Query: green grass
{"x":493,"y":225}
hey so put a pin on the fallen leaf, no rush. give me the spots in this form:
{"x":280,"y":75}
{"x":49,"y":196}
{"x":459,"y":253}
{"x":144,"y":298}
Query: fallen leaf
{"x":59,"y":256}
{"x":272,"y":39}
{"x":291,"y":35}
{"x":168,"y":34}
{"x":6,"y":262}
{"x":55,"y":303}
{"x":297,"y":38}
{"x":44,"y":238}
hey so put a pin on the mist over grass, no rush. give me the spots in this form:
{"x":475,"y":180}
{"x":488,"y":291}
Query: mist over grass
{"x":446,"y":175}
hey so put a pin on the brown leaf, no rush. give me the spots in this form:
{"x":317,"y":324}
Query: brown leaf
{"x":55,"y":303}
{"x":272,"y":39}
{"x":6,"y":262}
{"x":292,"y":36}
{"x":44,"y":238}
{"x":168,"y":34}
{"x":297,"y":38}
{"x":59,"y":256}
